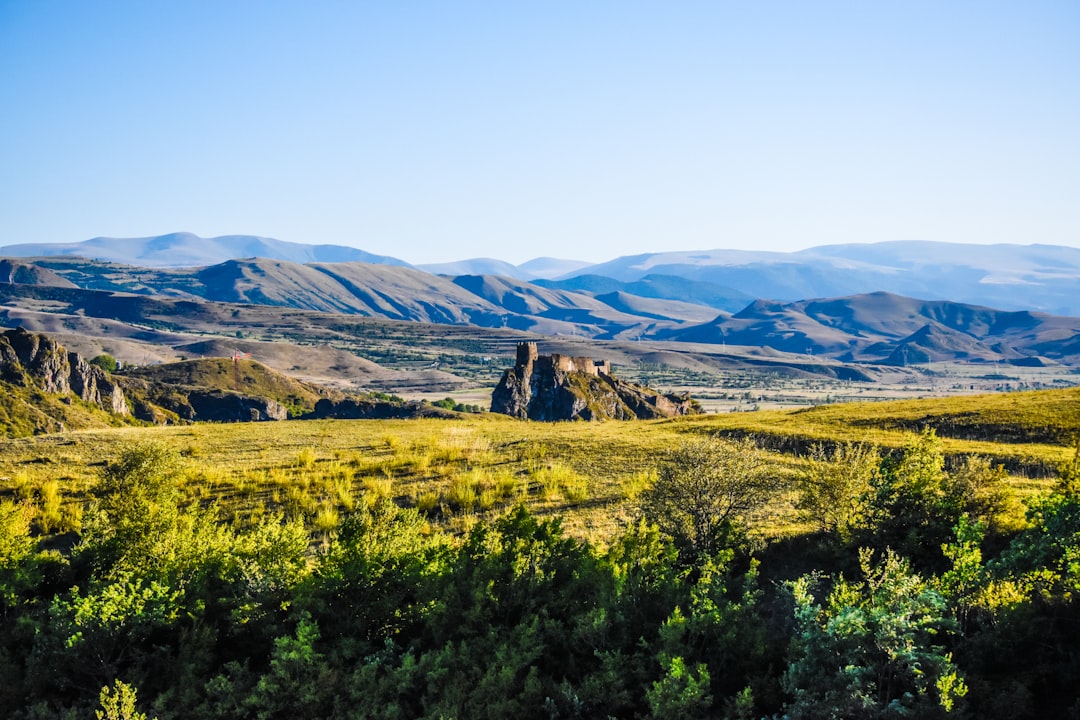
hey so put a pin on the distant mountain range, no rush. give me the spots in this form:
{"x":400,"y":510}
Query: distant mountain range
{"x":861,"y":307}
{"x":538,"y":268}
{"x":184,"y":249}
{"x":1014,"y":277}
{"x":879,"y":327}
{"x":1045,"y":278}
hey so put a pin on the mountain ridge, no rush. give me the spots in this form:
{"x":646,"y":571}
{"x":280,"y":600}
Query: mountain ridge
{"x":1009,"y":276}
{"x":184,"y":249}
{"x":866,"y":328}
{"x":875,"y":327}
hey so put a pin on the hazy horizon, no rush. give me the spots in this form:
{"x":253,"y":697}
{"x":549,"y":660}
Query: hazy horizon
{"x":526,"y":261}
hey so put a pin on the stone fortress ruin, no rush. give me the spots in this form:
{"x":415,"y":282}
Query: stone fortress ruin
{"x":565,"y":387}
{"x":529,"y":356}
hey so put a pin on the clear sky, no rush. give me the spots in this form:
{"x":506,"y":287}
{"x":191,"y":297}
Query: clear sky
{"x":435,"y":131}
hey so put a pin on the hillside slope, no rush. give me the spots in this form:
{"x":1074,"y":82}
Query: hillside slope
{"x":40,"y":382}
{"x":1009,"y":276}
{"x":881,"y":327}
{"x":395,"y":293}
{"x":13,"y":271}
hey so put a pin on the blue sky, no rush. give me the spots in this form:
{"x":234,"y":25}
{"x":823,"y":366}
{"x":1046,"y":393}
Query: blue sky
{"x":435,"y":131}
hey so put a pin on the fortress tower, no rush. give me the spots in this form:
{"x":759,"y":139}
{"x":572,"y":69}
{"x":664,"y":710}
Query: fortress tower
{"x":526,"y":354}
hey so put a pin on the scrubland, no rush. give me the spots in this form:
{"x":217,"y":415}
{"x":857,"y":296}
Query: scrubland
{"x":905,"y":559}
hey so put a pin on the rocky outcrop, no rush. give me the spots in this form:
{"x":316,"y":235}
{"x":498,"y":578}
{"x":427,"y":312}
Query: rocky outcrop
{"x":558,"y":387}
{"x":364,"y":409}
{"x":31,"y":359}
{"x":165,"y":403}
{"x":223,"y":406}
{"x":39,"y":378}
{"x":94,"y":385}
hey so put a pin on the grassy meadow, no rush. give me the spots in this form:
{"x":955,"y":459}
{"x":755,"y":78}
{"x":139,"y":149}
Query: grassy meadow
{"x":478,"y":466}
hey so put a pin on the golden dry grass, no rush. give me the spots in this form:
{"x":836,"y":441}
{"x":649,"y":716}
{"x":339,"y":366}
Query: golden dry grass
{"x":456,"y":471}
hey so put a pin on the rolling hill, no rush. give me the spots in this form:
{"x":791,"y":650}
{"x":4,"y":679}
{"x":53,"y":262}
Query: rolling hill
{"x":397,"y":293}
{"x":537,"y":268}
{"x":885,"y":328}
{"x":659,"y":287}
{"x":871,"y":328}
{"x":13,"y":271}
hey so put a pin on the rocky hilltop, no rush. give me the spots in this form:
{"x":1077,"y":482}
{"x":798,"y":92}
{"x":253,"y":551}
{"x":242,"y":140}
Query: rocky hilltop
{"x":28,"y":360}
{"x":558,"y":387}
{"x":45,"y":388}
{"x":40,"y":381}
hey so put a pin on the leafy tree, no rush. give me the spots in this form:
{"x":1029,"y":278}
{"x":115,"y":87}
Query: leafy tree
{"x":1045,"y":557}
{"x":965,"y":583}
{"x":16,"y":549}
{"x":170,"y":591}
{"x":299,"y":683}
{"x":682,"y":693}
{"x":980,"y":491}
{"x":494,"y":633}
{"x":118,"y":703}
{"x":368,"y":584}
{"x":915,"y":504}
{"x":836,"y":487}
{"x":92,"y":637}
{"x":875,"y":649}
{"x":136,"y":506}
{"x":720,"y":629}
{"x":909,"y":488}
{"x":1021,"y":614}
{"x":23,"y":571}
{"x":106,"y":362}
{"x":705,"y":489}
{"x":638,"y":582}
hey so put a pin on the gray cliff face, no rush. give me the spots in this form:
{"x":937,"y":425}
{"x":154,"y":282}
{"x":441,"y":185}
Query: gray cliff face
{"x":29,"y":358}
{"x":220,"y":406}
{"x":513,"y":393}
{"x":163,"y":404}
{"x":94,"y":385}
{"x":555,"y":387}
{"x":41,"y":359}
